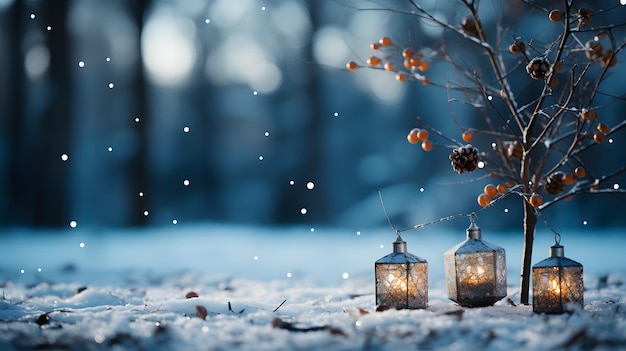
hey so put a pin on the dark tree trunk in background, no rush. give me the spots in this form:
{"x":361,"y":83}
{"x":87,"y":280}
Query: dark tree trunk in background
{"x":140,"y":180}
{"x":52,"y":208}
{"x":11,"y":106}
{"x":41,"y":120}
{"x":311,"y":166}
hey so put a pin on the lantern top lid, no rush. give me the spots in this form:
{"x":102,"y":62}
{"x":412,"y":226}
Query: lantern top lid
{"x":473,"y":231}
{"x":474,"y":242}
{"x":557,"y":250}
{"x":399,"y":255}
{"x":557,"y":259}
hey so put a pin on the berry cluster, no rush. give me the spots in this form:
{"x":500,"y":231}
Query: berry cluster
{"x":416,"y":135}
{"x":591,"y":115}
{"x":391,"y":57}
{"x":583,"y":16}
{"x":490,"y":191}
{"x":593,"y":48}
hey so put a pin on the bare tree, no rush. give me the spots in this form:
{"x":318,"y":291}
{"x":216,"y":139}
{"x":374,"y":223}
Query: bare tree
{"x":539,"y":102}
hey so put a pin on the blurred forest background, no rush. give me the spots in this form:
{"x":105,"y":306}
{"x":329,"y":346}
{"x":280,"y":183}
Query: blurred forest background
{"x":154,"y":112}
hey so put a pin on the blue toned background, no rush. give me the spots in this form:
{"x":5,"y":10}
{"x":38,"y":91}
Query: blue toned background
{"x":154,"y":113}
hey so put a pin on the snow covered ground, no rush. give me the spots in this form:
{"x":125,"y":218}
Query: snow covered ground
{"x":279,"y":289}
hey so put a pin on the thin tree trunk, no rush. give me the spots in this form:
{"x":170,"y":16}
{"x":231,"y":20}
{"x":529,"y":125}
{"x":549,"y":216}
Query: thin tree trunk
{"x":530,"y":220}
{"x":139,"y":177}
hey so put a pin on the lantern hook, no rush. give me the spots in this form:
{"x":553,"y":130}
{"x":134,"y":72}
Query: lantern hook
{"x":473,"y":218}
{"x":557,"y":238}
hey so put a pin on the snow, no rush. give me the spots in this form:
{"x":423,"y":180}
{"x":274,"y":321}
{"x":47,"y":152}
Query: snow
{"x":278,"y":289}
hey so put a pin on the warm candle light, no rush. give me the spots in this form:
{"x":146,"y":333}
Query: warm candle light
{"x":401,"y":279}
{"x":556,"y":289}
{"x":557,"y":283}
{"x":475,"y":271}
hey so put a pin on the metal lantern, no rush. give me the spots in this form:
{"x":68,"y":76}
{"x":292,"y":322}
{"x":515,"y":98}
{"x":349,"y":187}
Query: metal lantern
{"x":401,"y":279}
{"x":557,"y":283}
{"x":475,"y":270}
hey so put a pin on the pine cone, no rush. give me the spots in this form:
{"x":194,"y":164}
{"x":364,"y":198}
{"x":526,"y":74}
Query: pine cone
{"x":464,"y":159}
{"x":538,"y":67}
{"x":554,"y":183}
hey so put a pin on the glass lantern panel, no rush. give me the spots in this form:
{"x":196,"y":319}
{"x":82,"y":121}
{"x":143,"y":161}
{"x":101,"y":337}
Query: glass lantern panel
{"x":450,"y":268}
{"x":555,"y":287}
{"x":402,"y":285}
{"x":476,"y":275}
{"x":500,"y":274}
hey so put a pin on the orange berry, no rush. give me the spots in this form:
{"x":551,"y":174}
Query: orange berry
{"x":588,"y":114}
{"x":373,"y":61}
{"x":517,"y":47}
{"x":407,"y":63}
{"x":425,"y":81}
{"x":535,"y":200}
{"x":423,"y":66}
{"x":422,"y":135}
{"x":603,"y":128}
{"x":569,"y":179}
{"x":501,"y":188}
{"x":374,"y":46}
{"x":412,"y":136}
{"x":557,"y":66}
{"x":580,"y":172}
{"x":407,"y":53}
{"x":352,"y":66}
{"x":555,"y":16}
{"x":483,"y":199}
{"x":467,"y":136}
{"x":389,"y":66}
{"x":385,"y":41}
{"x":427,"y":145}
{"x":599,"y":138}
{"x":401,"y":77}
{"x":414,"y":61}
{"x":490,"y":190}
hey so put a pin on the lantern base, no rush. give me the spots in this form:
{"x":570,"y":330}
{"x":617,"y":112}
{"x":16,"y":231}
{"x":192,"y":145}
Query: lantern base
{"x":482,"y":302}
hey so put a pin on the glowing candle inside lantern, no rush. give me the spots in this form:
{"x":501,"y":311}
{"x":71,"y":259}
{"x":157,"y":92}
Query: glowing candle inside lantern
{"x":475,"y":271}
{"x":401,"y":279}
{"x":555,"y":287}
{"x":557,"y":282}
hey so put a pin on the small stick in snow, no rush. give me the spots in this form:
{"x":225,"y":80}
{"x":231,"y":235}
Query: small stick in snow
{"x":230,"y":308}
{"x":276,"y":309}
{"x":281,"y":324}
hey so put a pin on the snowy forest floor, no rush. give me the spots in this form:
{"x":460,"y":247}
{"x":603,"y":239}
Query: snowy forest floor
{"x":277,"y":289}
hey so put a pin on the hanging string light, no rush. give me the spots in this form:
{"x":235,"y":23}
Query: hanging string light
{"x":557,"y":282}
{"x":475,"y":270}
{"x":401,"y":279}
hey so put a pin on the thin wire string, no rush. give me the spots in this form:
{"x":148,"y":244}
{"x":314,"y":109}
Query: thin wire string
{"x":472,"y":215}
{"x":557,"y":236}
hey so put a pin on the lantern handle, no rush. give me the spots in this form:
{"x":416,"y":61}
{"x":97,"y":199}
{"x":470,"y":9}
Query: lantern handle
{"x":382,"y":203}
{"x":557,"y":238}
{"x":473,"y":218}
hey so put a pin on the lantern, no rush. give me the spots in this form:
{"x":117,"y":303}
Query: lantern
{"x":401,"y":279}
{"x":475,"y":270}
{"x":557,"y":282}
